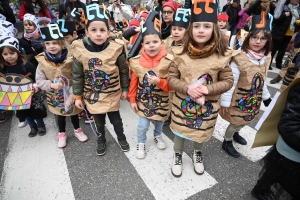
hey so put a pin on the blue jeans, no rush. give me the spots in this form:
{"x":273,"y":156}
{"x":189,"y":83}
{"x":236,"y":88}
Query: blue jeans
{"x":31,"y":122}
{"x":143,"y":127}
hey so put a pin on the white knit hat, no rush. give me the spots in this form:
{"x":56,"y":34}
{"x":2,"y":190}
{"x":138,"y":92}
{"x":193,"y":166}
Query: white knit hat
{"x":9,"y":41}
{"x":9,"y":26}
{"x":36,"y":20}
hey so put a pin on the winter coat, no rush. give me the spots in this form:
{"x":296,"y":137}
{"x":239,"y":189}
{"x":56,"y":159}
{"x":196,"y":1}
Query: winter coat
{"x":242,"y":19}
{"x":281,"y":25}
{"x":230,"y":12}
{"x":255,"y":8}
{"x":23,"y":11}
{"x":7,"y":11}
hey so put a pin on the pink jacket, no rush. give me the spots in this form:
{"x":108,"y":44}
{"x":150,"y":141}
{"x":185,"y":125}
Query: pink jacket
{"x":242,"y":19}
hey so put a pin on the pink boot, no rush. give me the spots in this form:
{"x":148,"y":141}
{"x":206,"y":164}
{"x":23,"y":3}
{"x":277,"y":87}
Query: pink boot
{"x":80,"y":135}
{"x":62,"y":140}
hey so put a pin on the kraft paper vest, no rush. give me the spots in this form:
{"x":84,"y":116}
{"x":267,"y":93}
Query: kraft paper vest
{"x":62,"y":71}
{"x":189,"y":119}
{"x":152,"y":102}
{"x":102,"y":90}
{"x":247,"y":96}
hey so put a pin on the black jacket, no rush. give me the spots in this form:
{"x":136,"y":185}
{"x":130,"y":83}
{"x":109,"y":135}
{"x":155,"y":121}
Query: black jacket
{"x":225,"y":7}
{"x":230,"y":12}
{"x":289,"y":123}
{"x":255,"y":8}
{"x":129,"y":33}
{"x":7,"y":11}
{"x":281,"y":25}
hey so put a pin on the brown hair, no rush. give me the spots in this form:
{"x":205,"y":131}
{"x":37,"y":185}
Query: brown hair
{"x":61,"y":43}
{"x":21,"y":59}
{"x":221,"y":44}
{"x":268,"y":46}
{"x":31,"y":23}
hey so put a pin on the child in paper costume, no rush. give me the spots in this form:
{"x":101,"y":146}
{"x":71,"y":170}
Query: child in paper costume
{"x":100,"y":75}
{"x":179,"y":27}
{"x":31,"y":44}
{"x":148,"y":93}
{"x":12,"y":62}
{"x":54,"y":75}
{"x":241,"y":104}
{"x":282,"y":163}
{"x":205,"y":56}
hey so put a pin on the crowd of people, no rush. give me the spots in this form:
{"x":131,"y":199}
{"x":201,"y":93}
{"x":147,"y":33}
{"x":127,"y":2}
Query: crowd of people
{"x":172,"y":62}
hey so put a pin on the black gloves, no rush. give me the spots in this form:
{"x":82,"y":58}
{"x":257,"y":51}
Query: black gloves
{"x":267,"y":102}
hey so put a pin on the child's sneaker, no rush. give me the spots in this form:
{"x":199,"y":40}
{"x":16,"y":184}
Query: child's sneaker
{"x":198,"y":164}
{"x":22,"y":124}
{"x":80,"y":135}
{"x":101,"y":149}
{"x":62,"y":140}
{"x":177,"y":165}
{"x":82,"y":115}
{"x":33,"y":132}
{"x":41,"y":130}
{"x":124,"y":145}
{"x":140,"y":151}
{"x":159,"y":142}
{"x":89,"y":120}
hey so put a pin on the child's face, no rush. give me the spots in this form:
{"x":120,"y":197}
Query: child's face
{"x":221,"y":24}
{"x":70,"y":38}
{"x":29,"y":28}
{"x":202,"y":32}
{"x":97,"y":32}
{"x":53,"y":47}
{"x":10,"y":56}
{"x":255,"y":42}
{"x":177,"y":33}
{"x":152,"y":44}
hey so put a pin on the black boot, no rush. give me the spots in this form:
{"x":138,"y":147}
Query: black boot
{"x":261,"y":194}
{"x":277,"y":79}
{"x":101,"y":149}
{"x":41,"y":130}
{"x":230,"y":150}
{"x":239,"y":139}
{"x":33,"y":131}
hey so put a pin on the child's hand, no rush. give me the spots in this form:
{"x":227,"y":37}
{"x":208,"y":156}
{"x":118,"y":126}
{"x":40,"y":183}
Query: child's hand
{"x":79,"y":104}
{"x":194,"y":93}
{"x":69,"y":100}
{"x":224,"y":109}
{"x":153,"y":79}
{"x":124,"y":95}
{"x":57,"y":86}
{"x":134,"y":107}
{"x":203,"y":89}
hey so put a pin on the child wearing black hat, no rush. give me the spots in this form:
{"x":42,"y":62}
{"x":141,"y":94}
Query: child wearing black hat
{"x":148,"y":93}
{"x":100,"y":75}
{"x":241,"y":104}
{"x":200,"y":72}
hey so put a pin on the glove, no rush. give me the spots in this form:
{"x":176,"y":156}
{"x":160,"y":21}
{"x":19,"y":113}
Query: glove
{"x":267,"y":102}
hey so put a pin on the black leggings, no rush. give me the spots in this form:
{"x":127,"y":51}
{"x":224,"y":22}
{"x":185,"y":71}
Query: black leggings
{"x":61,"y":121}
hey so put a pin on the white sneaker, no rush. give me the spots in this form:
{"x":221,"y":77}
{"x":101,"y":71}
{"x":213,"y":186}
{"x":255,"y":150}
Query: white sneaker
{"x":160,"y":142}
{"x":198,"y":164}
{"x":177,"y":165}
{"x":22,"y":124}
{"x":140,"y":151}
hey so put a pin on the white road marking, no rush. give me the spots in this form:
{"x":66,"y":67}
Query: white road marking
{"x":248,"y":133}
{"x":155,"y":169}
{"x":35,"y":168}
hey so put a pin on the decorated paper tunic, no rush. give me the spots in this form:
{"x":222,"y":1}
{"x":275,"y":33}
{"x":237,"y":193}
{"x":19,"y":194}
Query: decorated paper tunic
{"x":56,"y":72}
{"x":152,"y":101}
{"x":189,"y":119}
{"x":102,"y":90}
{"x":247,"y":96}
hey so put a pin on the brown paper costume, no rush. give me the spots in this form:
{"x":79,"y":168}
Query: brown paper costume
{"x":63,"y":71}
{"x":152,"y":102}
{"x":102,"y":90}
{"x":189,"y":118}
{"x":247,"y":96}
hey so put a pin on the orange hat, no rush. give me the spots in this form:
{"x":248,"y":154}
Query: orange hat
{"x":144,"y":14}
{"x":223,"y":17}
{"x":134,"y":22}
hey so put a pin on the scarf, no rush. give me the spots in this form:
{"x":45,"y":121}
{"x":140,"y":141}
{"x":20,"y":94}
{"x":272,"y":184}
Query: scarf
{"x":295,"y":15}
{"x":57,"y":60}
{"x":257,"y":56}
{"x":265,"y":6}
{"x":195,"y":53}
{"x":29,"y":36}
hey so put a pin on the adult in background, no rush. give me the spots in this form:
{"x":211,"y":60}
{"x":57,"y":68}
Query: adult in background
{"x":34,"y":7}
{"x":142,"y":9}
{"x":6,"y":11}
{"x":134,"y":9}
{"x":226,"y":5}
{"x":232,"y":11}
{"x":243,"y":16}
{"x":53,"y":17}
{"x":120,"y":11}
{"x":168,"y":11}
{"x":283,"y":29}
{"x":66,"y":8}
{"x":256,"y":7}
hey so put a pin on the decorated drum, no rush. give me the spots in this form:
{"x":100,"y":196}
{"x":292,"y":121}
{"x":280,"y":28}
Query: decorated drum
{"x":15,"y":92}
